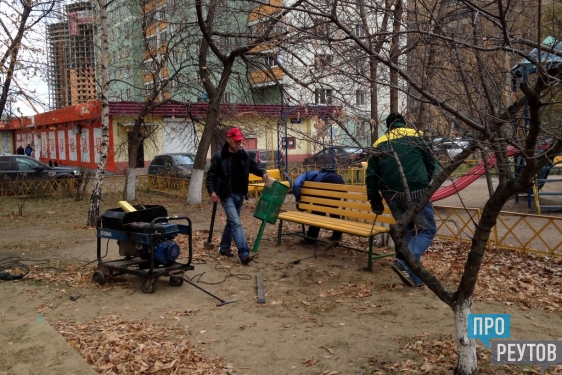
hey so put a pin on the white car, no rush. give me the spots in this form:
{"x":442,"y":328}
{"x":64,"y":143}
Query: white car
{"x":450,"y":148}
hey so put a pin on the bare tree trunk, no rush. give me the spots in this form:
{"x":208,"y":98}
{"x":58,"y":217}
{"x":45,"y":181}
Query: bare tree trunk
{"x":95,"y":197}
{"x":194,"y":195}
{"x":195,"y":192}
{"x":130,"y":185}
{"x":467,"y":363}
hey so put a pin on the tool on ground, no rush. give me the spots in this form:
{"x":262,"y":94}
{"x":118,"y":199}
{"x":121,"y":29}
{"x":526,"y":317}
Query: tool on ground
{"x":182,"y":276}
{"x":259,"y":282}
{"x":146,"y":238}
{"x":209,"y":244}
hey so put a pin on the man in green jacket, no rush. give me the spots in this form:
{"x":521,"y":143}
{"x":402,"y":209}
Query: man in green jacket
{"x":386,"y":177}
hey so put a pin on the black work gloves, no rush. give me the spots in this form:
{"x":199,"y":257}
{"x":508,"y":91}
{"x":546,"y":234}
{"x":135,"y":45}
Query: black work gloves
{"x":377,"y":207}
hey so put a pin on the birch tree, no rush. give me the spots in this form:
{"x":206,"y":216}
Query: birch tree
{"x":95,"y":196}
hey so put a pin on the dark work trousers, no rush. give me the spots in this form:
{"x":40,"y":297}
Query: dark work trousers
{"x":314,"y":231}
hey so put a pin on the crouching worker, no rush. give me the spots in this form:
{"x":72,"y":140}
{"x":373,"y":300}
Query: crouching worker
{"x":227,"y":181}
{"x":326,"y":176}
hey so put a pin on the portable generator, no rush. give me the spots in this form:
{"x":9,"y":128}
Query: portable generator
{"x":145,"y":237}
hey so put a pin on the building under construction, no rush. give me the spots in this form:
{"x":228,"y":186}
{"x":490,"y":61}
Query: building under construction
{"x":71,"y":56}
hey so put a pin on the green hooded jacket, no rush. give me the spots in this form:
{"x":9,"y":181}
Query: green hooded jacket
{"x":416,"y":156}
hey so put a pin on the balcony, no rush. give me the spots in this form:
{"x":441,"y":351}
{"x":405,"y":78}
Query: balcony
{"x":266,"y":77}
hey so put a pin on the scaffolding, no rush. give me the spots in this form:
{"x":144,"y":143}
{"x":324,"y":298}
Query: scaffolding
{"x":71,"y":56}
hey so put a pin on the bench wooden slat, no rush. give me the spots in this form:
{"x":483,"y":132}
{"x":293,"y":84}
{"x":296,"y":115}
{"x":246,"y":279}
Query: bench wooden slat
{"x":327,"y":222}
{"x":336,"y":187}
{"x":273,"y":173}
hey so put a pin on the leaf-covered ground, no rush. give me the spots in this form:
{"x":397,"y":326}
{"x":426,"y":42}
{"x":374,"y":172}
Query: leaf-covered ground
{"x":114,"y":345}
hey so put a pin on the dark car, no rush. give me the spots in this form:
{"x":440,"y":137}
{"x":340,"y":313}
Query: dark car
{"x":261,"y":157}
{"x":337,"y":156}
{"x":21,"y":167}
{"x":178,"y":165}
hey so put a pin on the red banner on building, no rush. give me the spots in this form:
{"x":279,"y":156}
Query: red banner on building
{"x":73,"y":24}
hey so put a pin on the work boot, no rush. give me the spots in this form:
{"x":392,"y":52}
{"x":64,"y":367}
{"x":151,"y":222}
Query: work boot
{"x":245,"y":259}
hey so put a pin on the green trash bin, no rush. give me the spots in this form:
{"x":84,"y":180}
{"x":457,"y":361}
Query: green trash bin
{"x":270,"y":202}
{"x":269,"y":206}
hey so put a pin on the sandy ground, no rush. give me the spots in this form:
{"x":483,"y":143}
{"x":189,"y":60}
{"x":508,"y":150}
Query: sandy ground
{"x":323,"y":313}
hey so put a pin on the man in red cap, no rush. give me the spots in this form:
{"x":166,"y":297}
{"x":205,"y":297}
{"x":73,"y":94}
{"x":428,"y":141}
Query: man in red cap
{"x":227,"y":181}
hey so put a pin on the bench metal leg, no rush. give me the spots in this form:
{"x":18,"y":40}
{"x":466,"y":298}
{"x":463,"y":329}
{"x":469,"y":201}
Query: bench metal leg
{"x":370,"y":261}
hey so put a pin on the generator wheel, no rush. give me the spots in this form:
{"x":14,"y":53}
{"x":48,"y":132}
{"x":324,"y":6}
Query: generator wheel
{"x":176,"y":281}
{"x":148,"y":285}
{"x":98,"y":277}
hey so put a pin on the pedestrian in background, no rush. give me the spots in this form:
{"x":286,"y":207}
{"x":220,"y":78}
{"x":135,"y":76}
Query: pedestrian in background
{"x":227,"y":181}
{"x":326,"y":176}
{"x":28,"y":150}
{"x":384,"y":175}
{"x":20,"y":150}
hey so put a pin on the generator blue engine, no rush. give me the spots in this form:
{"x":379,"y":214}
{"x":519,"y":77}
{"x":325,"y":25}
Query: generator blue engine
{"x":166,"y":252}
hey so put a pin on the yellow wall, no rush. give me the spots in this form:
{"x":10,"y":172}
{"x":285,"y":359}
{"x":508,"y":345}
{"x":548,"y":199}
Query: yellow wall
{"x":120,"y":135}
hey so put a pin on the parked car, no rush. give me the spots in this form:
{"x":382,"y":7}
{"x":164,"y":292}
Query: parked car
{"x":337,"y":155}
{"x":260,"y":156}
{"x":22,"y":167}
{"x":450,"y":149}
{"x":178,"y":165}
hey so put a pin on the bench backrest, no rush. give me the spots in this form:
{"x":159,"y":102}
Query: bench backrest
{"x":273,"y":173}
{"x":349,"y":201}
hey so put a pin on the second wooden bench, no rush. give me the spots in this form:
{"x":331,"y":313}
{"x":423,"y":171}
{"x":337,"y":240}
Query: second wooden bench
{"x":256,"y":184}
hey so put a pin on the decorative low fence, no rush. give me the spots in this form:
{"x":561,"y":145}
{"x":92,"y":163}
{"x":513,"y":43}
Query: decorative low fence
{"x":20,"y":188}
{"x":539,"y":234}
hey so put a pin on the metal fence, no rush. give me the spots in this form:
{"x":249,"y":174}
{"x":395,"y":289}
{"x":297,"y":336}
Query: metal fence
{"x":20,"y":188}
{"x":539,"y":234}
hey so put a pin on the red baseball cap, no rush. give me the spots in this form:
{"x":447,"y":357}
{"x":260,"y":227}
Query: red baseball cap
{"x":235,"y":134}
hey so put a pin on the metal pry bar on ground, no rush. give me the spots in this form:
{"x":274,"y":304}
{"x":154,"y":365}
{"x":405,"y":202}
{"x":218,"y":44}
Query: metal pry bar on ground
{"x":259,"y":282}
{"x":182,"y":276}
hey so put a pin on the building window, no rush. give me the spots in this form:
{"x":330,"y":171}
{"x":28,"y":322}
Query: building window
{"x":289,"y":142}
{"x":148,"y":87}
{"x":362,"y":128}
{"x":324,"y":61}
{"x":360,"y":97}
{"x":359,"y":31}
{"x":270,"y":61}
{"x":323,"y":96}
{"x":226,"y":98}
{"x":360,"y":64}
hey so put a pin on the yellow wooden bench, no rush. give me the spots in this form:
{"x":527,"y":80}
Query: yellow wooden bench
{"x":349,"y":202}
{"x":256,"y":184}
